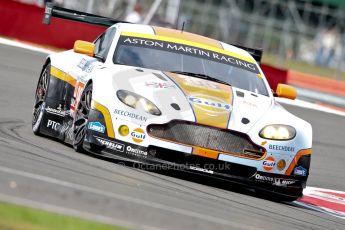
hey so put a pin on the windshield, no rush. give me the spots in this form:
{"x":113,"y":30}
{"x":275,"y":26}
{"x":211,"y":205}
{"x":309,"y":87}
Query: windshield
{"x":169,"y":56}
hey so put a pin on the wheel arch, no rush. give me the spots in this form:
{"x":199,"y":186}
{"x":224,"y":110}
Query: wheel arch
{"x":89,"y":82}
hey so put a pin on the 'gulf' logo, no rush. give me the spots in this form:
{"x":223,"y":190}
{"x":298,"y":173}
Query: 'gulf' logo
{"x":210,"y":104}
{"x":269,"y":163}
{"x":138,"y":135}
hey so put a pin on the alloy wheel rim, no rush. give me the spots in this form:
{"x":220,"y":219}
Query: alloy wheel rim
{"x":82,"y":114}
{"x":41,"y":91}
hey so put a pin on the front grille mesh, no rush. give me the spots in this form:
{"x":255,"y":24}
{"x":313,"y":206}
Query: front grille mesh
{"x":206,"y":137}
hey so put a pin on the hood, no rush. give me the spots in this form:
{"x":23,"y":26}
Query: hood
{"x":193,"y":99}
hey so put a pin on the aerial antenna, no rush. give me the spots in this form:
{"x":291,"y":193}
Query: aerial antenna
{"x":182,"y":29}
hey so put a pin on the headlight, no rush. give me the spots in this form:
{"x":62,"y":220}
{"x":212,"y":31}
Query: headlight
{"x":138,"y":102}
{"x":278,"y":132}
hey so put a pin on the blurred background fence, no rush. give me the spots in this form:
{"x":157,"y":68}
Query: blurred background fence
{"x":290,"y":31}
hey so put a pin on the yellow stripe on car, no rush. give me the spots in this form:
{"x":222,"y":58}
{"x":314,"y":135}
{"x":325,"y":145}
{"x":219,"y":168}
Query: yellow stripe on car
{"x":62,"y":75}
{"x":107,"y":117}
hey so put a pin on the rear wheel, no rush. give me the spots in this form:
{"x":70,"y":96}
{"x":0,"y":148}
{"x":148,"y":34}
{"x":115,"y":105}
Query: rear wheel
{"x":40,"y":96}
{"x":81,"y":118}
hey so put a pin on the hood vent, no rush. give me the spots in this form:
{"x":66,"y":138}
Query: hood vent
{"x":175,"y":106}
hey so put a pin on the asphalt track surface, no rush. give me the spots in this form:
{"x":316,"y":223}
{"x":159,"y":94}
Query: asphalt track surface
{"x":43,"y":171}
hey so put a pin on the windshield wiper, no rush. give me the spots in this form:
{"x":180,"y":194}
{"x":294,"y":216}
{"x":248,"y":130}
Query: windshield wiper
{"x":202,"y":76}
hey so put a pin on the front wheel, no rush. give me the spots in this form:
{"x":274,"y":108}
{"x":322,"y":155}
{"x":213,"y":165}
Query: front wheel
{"x":81,"y":118}
{"x":40,"y":97}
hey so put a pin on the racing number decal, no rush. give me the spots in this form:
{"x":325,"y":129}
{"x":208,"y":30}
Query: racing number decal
{"x":76,"y":96}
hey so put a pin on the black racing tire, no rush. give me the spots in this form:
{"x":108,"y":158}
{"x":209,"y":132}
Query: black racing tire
{"x":81,"y":118}
{"x":40,"y":98}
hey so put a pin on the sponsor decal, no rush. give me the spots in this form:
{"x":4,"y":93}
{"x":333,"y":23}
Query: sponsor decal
{"x":269,"y":163}
{"x":58,"y":111}
{"x":283,"y":182}
{"x":281,"y":148}
{"x":189,"y":50}
{"x":159,"y":85}
{"x":210,"y":104}
{"x":200,"y":169}
{"x":300,"y":171}
{"x":135,"y":151}
{"x":86,"y":65}
{"x":130,"y":115}
{"x":274,"y":180}
{"x":53,"y":125}
{"x":111,"y":145}
{"x":138,"y":135}
{"x":264,"y":178}
{"x":96,"y":126}
{"x":82,"y":63}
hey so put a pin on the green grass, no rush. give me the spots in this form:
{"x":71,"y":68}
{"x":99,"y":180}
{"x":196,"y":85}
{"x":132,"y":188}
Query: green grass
{"x":304,"y":67}
{"x":14,"y":217}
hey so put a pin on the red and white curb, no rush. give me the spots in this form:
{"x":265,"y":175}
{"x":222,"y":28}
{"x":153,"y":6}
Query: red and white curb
{"x":323,"y":200}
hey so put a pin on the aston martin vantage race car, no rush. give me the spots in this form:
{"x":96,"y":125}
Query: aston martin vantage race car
{"x":161,"y":96}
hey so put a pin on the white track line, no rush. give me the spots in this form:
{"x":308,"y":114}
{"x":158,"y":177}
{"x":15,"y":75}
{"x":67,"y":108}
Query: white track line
{"x":9,"y":42}
{"x":298,"y":103}
{"x":128,"y":199}
{"x":309,"y":105}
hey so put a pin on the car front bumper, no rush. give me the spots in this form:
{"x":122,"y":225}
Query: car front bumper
{"x":158,"y":158}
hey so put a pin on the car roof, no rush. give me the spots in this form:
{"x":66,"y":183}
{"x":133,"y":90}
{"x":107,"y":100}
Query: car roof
{"x":183,"y":35}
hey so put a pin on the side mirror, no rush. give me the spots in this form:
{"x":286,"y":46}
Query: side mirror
{"x":286,"y":91}
{"x":83,"y":47}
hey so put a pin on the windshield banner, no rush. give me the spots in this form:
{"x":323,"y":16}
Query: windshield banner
{"x":188,"y":50}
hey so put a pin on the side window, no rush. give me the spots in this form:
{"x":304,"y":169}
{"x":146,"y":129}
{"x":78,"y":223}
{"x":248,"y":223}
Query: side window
{"x":102,"y":44}
{"x":98,"y":42}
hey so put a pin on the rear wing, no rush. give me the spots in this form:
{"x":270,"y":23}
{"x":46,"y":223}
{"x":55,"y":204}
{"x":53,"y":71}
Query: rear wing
{"x":60,"y":12}
{"x":256,"y":53}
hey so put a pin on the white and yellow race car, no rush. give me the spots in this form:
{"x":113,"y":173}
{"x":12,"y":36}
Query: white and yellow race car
{"x":167,"y":97}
